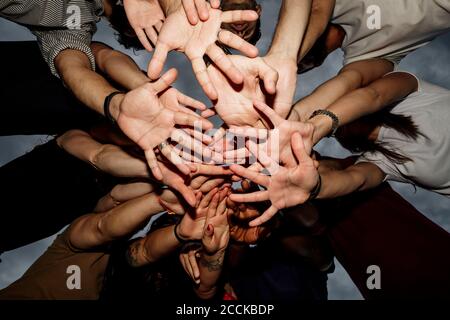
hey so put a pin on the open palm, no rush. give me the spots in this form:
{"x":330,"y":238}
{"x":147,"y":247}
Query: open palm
{"x":285,"y":187}
{"x":196,"y":41}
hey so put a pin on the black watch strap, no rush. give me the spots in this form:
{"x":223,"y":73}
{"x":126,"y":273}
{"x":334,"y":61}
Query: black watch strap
{"x":106,"y":104}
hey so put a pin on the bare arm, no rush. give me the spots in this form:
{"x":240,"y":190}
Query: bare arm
{"x":118,"y":66}
{"x":89,"y":87}
{"x":358,"y":103}
{"x":359,"y":177}
{"x":105,"y":157}
{"x":351,"y":77}
{"x":92,"y":230}
{"x":321,"y":12}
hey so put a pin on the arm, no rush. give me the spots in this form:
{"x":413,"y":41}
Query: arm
{"x":356,"y":104}
{"x":351,"y":77}
{"x":282,"y":55}
{"x":105,"y":157}
{"x":118,"y":66}
{"x":321,"y":12}
{"x":92,"y":230}
{"x":359,"y":177}
{"x":89,"y":87}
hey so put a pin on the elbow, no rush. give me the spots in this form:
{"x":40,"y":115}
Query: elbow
{"x":353,"y":79}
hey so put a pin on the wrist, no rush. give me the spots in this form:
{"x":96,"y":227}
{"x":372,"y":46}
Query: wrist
{"x":114,"y":106}
{"x":180,"y":233}
{"x":322,"y":126}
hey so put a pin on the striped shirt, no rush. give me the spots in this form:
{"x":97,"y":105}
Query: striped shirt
{"x":57,"y":24}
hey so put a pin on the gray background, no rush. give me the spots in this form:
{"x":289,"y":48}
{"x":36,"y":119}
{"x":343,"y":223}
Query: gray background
{"x":430,"y":63}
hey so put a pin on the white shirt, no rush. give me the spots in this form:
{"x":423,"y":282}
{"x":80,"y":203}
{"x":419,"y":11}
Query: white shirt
{"x":405,"y":25}
{"x":429,"y":108}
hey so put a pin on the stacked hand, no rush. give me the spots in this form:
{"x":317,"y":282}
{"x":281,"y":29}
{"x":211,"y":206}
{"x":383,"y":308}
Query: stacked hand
{"x":196,"y":41}
{"x":145,"y":120}
{"x":285,"y":187}
{"x":146,"y":18}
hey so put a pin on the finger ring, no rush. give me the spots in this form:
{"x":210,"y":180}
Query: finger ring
{"x":163,"y":144}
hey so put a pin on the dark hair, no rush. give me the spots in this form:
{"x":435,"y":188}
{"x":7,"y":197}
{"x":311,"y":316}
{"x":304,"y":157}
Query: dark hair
{"x":355,"y":136}
{"x":257,"y":34}
{"x":119,"y":22}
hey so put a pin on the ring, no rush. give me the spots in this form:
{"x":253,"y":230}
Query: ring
{"x":163,"y":144}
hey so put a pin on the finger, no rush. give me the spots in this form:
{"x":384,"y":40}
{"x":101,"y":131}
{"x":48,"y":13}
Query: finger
{"x":165,"y":81}
{"x":183,"y":263}
{"x":199,"y":67}
{"x":257,"y":196}
{"x":233,"y":41}
{"x":269,"y":77}
{"x":184,"y":119}
{"x":249,"y":132}
{"x":256,"y":177}
{"x":233,"y":16}
{"x":189,"y":267}
{"x":224,"y":63}
{"x":194,"y":265}
{"x":238,"y":155}
{"x":211,"y":184}
{"x":158,"y":60}
{"x":270,"y":164}
{"x":187,"y":193}
{"x":171,"y":155}
{"x":202,"y":9}
{"x":198,"y":135}
{"x":158,"y":26}
{"x":212,"y":208}
{"x":268,"y":112}
{"x":266,"y":216}
{"x":208,"y":113}
{"x":151,"y":34}
{"x":211,"y":170}
{"x":185,"y":141}
{"x":298,"y":147}
{"x":207,"y":198}
{"x":222,"y":208}
{"x":191,"y":11}
{"x":198,"y":198}
{"x":153,"y":164}
{"x":143,"y":39}
{"x":215,"y":4}
{"x":190,"y":102}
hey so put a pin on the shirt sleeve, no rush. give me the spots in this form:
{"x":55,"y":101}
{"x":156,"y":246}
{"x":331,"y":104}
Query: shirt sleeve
{"x":52,"y":42}
{"x":389,"y":169}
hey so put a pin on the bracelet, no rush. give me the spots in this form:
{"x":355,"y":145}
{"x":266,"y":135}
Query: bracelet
{"x":106,"y":104}
{"x":315,"y":192}
{"x":333,"y":117}
{"x":180,"y":240}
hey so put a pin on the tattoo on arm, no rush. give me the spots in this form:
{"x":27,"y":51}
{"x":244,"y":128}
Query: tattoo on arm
{"x":214,"y":264}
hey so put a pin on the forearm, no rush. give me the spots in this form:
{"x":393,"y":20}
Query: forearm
{"x":118,"y":66}
{"x":292,"y":23}
{"x":337,"y":183}
{"x":210,"y":268}
{"x":321,"y":12}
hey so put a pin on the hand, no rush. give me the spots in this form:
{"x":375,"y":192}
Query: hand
{"x":188,"y":259}
{"x":216,"y":233}
{"x":235,"y":103}
{"x":196,"y":41}
{"x":282,"y":101}
{"x":145,"y":120}
{"x":172,"y":202}
{"x":146,"y":18}
{"x":277,"y":141}
{"x":286,"y":187}
{"x":198,"y":9}
{"x":193,"y":222}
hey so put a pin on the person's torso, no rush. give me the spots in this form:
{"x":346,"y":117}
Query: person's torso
{"x":61,"y":273}
{"x":52,"y":13}
{"x":429,"y":109}
{"x":389,"y":29}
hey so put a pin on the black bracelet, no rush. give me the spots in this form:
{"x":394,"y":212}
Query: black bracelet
{"x":315,"y":192}
{"x":106,"y":104}
{"x":180,"y":240}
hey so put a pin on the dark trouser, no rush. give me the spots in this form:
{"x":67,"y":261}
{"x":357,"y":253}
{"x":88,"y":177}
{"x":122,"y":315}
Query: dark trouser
{"x":380,"y":228}
{"x":43,"y":191}
{"x":32,"y":100}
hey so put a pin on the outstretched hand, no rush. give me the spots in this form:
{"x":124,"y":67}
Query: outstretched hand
{"x":196,"y":41}
{"x":285,"y":187}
